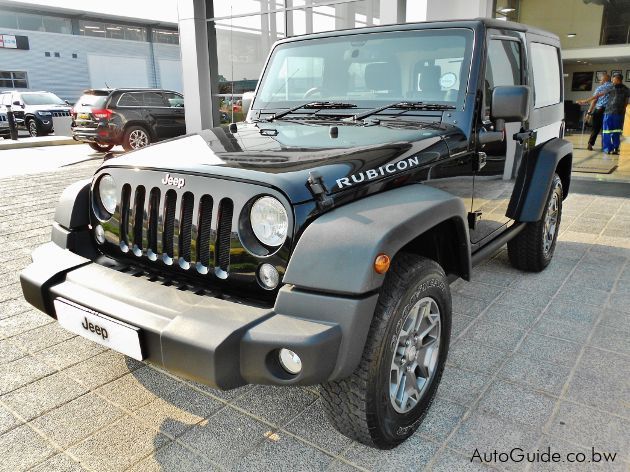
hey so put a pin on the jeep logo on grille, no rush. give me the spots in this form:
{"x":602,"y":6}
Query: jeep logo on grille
{"x":174,"y":181}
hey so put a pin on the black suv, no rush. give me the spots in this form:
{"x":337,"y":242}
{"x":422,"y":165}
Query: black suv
{"x":134,"y":118}
{"x":315,"y":243}
{"x":34,"y":111}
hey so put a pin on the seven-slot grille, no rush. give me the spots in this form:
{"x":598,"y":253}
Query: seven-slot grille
{"x":60,"y":113}
{"x":176,"y":228}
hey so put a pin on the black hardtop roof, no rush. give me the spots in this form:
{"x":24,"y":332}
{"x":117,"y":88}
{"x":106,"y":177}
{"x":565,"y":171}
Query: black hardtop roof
{"x":476,"y":23}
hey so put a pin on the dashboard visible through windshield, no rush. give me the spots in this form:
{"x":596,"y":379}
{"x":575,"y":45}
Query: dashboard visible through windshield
{"x":370,"y":69}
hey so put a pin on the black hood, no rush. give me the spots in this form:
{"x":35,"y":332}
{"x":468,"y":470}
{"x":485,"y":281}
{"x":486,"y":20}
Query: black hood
{"x":281,"y":154}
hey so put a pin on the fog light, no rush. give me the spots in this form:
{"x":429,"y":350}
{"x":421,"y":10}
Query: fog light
{"x":290,"y":361}
{"x":268,"y":276}
{"x":99,"y":234}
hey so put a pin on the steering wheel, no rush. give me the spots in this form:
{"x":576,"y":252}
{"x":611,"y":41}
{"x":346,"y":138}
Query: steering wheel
{"x":312,"y":91}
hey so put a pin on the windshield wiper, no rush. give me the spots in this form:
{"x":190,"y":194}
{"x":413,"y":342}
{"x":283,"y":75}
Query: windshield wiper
{"x":309,"y":105}
{"x":405,"y":106}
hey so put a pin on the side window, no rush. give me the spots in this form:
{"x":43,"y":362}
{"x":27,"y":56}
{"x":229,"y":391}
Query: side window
{"x":174,"y":100}
{"x":153,"y":99}
{"x":503,"y":67}
{"x":546,"y":68}
{"x":130,"y":100}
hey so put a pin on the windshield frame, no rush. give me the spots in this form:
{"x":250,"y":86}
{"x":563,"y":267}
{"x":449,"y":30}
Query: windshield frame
{"x":24,"y":96}
{"x":460,"y":104}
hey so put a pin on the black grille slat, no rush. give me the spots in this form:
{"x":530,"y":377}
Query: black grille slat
{"x":124,"y":215}
{"x":224,"y":232}
{"x":169,"y":223}
{"x":154,"y":210}
{"x":185,"y":232}
{"x":138,"y":217}
{"x":204,"y":230}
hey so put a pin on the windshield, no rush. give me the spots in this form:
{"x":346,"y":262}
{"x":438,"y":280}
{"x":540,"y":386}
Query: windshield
{"x":370,"y":69}
{"x":44,"y":98}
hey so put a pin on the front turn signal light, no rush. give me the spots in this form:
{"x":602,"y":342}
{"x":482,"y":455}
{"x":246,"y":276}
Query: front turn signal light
{"x":381,"y":263}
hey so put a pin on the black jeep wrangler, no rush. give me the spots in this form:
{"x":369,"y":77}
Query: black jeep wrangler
{"x":315,"y":243}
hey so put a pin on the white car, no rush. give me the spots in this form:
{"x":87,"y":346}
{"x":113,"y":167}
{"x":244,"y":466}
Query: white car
{"x":4,"y":126}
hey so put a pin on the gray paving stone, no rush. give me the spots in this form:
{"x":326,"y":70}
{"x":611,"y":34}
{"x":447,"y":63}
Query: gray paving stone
{"x":226,"y":437}
{"x":573,"y":313}
{"x":21,"y":372}
{"x":524,"y":299}
{"x":22,"y":448}
{"x":225,"y":395}
{"x":551,"y":350}
{"x":476,"y":356}
{"x":102,"y":368}
{"x":600,"y":364}
{"x":398,"y":459}
{"x":441,"y":419}
{"x":620,"y":301}
{"x":7,"y":420}
{"x":69,"y":352}
{"x":178,"y":410}
{"x":276,"y":405}
{"x":615,"y":319}
{"x":461,"y":386}
{"x":449,"y":460}
{"x":138,"y":388}
{"x":611,"y":338}
{"x":58,"y":463}
{"x":519,"y":317}
{"x":479,"y":291}
{"x":43,"y":337}
{"x":517,"y":403}
{"x":496,"y":274}
{"x":77,"y":419}
{"x":43,"y":395}
{"x":555,"y":445}
{"x":494,"y":335}
{"x":283,"y":453}
{"x":118,"y":446}
{"x":10,"y":351}
{"x":541,"y":376}
{"x":313,"y":426}
{"x":23,"y":322}
{"x":608,"y":394}
{"x":590,"y":428}
{"x":174,"y":458}
{"x":13,"y":307}
{"x":459,"y":323}
{"x":342,"y":466}
{"x":468,"y":306}
{"x":578,"y":294}
{"x":575,"y":332}
{"x":599,"y":276}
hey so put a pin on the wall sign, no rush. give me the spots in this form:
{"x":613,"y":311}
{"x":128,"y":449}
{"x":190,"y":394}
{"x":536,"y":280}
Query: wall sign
{"x":10,"y":41}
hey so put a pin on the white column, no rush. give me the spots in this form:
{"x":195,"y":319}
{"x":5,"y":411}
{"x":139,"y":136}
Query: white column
{"x":193,"y":45}
{"x":392,"y":11}
{"x":458,"y":9}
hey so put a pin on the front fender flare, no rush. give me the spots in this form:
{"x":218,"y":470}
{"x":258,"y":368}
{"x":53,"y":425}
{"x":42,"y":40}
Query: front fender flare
{"x":336,"y":252}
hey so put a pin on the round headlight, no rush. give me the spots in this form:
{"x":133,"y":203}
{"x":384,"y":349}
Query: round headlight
{"x":269,"y":221}
{"x":107,"y":193}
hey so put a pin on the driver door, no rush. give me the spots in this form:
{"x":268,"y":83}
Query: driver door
{"x":494,"y":182}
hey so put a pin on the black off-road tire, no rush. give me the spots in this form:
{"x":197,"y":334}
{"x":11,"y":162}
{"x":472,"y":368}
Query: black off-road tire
{"x":128,"y":138}
{"x":359,"y":406}
{"x":101,"y":147}
{"x":527,"y":250}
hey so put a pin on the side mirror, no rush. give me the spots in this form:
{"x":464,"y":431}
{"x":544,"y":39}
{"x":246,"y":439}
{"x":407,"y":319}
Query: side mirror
{"x":510,"y":103}
{"x":17,"y":103}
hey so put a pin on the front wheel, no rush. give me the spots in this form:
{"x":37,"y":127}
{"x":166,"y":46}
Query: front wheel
{"x":533,"y":248}
{"x":101,"y":147}
{"x":33,"y":129}
{"x":384,"y":401}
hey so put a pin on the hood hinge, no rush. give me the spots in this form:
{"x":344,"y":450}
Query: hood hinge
{"x":315,"y":184}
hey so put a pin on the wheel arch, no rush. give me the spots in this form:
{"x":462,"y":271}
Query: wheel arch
{"x":141,"y":124}
{"x":336,"y":252}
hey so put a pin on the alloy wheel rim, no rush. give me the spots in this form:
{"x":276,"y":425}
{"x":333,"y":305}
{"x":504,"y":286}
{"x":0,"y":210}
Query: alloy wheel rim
{"x":138,"y":139}
{"x":416,"y":355}
{"x":551,"y":222}
{"x":32,"y":128}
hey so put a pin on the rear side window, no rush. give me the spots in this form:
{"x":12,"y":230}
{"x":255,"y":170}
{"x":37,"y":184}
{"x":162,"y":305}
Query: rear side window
{"x":133,"y":99}
{"x":546,"y":68}
{"x":153,"y":99}
{"x":92,"y":100}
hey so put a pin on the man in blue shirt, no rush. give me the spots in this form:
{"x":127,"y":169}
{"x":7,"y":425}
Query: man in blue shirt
{"x":618,"y":98}
{"x":598,"y":101}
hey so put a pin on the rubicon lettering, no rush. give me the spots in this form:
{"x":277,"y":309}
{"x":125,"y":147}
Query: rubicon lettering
{"x":174,"y":181}
{"x":381,"y":171}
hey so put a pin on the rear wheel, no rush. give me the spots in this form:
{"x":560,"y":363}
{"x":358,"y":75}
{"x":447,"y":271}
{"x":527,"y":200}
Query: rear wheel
{"x":384,"y":401}
{"x":135,"y":137}
{"x":101,"y":147}
{"x":533,"y":248}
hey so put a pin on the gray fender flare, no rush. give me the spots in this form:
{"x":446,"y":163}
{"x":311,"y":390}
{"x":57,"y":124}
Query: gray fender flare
{"x":538,"y":175}
{"x":336,"y":252}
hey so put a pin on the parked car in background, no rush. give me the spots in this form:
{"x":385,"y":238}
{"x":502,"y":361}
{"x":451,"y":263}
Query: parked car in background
{"x":34,"y":111}
{"x":133,"y":118}
{"x":4,"y":126}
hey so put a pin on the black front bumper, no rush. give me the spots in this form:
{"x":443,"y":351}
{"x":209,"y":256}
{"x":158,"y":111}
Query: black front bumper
{"x":214,"y":341}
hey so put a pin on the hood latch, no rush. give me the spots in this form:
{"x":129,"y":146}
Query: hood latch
{"x":315,"y":184}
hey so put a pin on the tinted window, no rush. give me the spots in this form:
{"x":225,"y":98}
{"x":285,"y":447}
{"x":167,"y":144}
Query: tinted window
{"x":503,"y":67}
{"x":92,"y":100}
{"x":546,"y":67}
{"x":174,"y":99}
{"x":133,"y":99}
{"x":153,"y":99}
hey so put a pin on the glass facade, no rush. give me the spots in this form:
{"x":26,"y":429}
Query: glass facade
{"x":112,"y":30}
{"x":34,"y":22}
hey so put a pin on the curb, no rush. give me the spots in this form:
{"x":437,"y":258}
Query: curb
{"x":8,"y":144}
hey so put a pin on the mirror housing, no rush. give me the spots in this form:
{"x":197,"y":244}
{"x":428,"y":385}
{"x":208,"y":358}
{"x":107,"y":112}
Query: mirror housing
{"x":510,"y":103}
{"x":17,"y":103}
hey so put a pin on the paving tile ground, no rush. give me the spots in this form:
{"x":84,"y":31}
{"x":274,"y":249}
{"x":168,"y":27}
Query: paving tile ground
{"x":537,"y":361}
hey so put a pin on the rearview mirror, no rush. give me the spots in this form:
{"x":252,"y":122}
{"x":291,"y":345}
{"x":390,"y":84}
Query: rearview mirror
{"x":510,"y":103}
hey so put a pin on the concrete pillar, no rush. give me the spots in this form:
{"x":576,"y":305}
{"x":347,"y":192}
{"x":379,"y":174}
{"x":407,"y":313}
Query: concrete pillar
{"x":458,"y":9}
{"x":393,"y":11}
{"x":197,"y":63}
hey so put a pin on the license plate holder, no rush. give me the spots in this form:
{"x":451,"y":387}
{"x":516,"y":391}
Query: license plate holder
{"x":100,"y":328}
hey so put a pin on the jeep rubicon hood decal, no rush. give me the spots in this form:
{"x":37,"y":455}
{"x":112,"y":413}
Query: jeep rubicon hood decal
{"x":351,"y":156}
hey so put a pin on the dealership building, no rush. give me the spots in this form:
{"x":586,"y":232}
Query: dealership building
{"x":67,"y":51}
{"x":216,"y":46}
